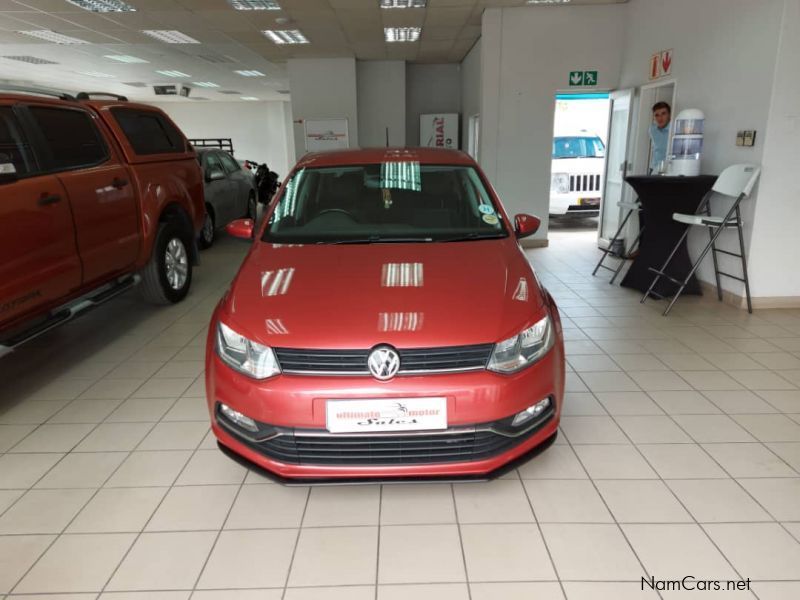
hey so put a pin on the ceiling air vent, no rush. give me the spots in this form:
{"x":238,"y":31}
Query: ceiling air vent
{"x":217,"y":59}
{"x":33,"y":60}
{"x":135,"y":83}
{"x":283,"y":91}
{"x":229,"y":92}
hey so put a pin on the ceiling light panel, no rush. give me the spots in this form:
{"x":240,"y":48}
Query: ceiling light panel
{"x":124,"y":58}
{"x":248,"y":98}
{"x":402,"y":34}
{"x":32,"y":60}
{"x":138,"y":84}
{"x":403,"y":3}
{"x":254,"y":4}
{"x":230,"y":92}
{"x":286,"y":36}
{"x":250,"y":73}
{"x":205,"y":84}
{"x":103,"y":6}
{"x":53,"y":37}
{"x":173,"y":74}
{"x":97,"y":74}
{"x":170,"y":36}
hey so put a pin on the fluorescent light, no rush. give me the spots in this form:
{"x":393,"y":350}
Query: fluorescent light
{"x":170,"y":36}
{"x":248,"y":98}
{"x":402,"y":34}
{"x":250,"y":73}
{"x":96,"y":74}
{"x":549,"y":1}
{"x":173,"y":74}
{"x":254,"y":4}
{"x":286,"y":36}
{"x":103,"y":5}
{"x":205,"y":84}
{"x":124,"y":58}
{"x":52,"y":36}
{"x":403,"y":3}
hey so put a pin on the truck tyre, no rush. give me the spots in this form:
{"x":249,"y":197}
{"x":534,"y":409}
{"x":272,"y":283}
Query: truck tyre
{"x":208,"y":232}
{"x":168,"y":275}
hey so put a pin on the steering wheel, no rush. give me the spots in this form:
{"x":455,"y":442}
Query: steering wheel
{"x":336,"y":210}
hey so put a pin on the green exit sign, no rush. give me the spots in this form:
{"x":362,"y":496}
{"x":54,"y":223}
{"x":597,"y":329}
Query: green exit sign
{"x":582,"y":78}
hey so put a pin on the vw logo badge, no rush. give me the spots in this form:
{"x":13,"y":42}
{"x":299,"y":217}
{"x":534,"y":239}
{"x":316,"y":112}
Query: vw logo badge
{"x":383,"y":362}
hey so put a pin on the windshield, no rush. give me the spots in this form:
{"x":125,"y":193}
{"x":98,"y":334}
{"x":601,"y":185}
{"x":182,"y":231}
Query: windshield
{"x":578,"y":147}
{"x":388,"y":202}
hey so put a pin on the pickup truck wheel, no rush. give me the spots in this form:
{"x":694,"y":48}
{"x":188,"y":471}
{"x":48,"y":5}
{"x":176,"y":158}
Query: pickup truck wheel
{"x":168,"y":275}
{"x":208,"y":233}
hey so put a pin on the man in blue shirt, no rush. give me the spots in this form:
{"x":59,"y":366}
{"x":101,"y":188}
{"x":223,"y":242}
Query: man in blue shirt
{"x":659,"y":136}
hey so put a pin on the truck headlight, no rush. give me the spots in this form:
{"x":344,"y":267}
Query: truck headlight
{"x":559,"y":183}
{"x":246,"y":356}
{"x":523,"y":349}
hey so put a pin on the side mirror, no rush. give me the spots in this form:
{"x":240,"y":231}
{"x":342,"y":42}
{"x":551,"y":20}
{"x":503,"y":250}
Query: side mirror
{"x":215,"y":174}
{"x":241,"y":228}
{"x":526,"y":225}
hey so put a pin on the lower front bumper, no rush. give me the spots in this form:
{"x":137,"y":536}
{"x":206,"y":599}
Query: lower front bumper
{"x":485,"y":465}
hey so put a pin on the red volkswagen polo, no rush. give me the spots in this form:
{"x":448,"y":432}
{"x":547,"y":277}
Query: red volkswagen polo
{"x":385,"y":323}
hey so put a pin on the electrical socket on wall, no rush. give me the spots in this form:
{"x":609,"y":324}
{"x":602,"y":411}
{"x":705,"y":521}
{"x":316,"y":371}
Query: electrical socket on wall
{"x":746,"y":138}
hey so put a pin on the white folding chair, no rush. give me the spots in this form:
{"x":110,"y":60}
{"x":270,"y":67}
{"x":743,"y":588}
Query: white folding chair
{"x":735,"y":182}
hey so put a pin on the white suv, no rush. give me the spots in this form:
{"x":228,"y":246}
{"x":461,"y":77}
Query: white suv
{"x":576,"y":183}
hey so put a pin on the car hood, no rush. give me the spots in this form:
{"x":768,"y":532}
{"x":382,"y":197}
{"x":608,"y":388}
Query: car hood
{"x":406,"y":295}
{"x":578,"y":165}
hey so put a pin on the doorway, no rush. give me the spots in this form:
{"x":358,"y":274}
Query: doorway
{"x":628,"y":152}
{"x":580,"y":137}
{"x":473,"y":136}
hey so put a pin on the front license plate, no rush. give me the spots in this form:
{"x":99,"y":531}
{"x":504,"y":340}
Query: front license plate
{"x":589,"y":202}
{"x":395,"y":414}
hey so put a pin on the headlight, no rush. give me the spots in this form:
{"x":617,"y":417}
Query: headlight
{"x":559,"y":183}
{"x":245,"y":356}
{"x":523,"y":349}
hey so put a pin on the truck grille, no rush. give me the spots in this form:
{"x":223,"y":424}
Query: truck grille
{"x":354,"y":362}
{"x":584,"y":183}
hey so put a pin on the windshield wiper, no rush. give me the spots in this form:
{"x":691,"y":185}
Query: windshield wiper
{"x":376,"y":239}
{"x":474,"y":236}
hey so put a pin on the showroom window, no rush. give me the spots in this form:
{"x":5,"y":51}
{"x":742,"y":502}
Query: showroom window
{"x":147,"y":132}
{"x":71,"y":136}
{"x":14,"y":149}
{"x":230,"y":164}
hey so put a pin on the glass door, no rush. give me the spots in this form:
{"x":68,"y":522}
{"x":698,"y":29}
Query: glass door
{"x":616,"y":164}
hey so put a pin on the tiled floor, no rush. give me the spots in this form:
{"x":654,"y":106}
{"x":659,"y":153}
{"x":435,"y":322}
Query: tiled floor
{"x":679,"y":455}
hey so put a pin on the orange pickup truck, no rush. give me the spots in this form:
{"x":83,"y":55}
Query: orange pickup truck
{"x":96,"y":196}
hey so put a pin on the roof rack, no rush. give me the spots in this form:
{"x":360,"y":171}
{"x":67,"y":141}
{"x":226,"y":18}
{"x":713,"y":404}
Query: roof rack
{"x":36,"y":90}
{"x":90,"y":95}
{"x":221,"y":143}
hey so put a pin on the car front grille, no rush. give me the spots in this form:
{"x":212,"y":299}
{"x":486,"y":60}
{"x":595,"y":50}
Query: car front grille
{"x":318,"y":447}
{"x":584,"y":183}
{"x":354,"y":362}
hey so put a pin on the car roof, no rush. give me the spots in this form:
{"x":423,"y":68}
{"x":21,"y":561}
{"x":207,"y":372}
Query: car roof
{"x":360,"y":156}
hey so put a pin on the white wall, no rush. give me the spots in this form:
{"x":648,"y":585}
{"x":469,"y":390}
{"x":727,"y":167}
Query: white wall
{"x":430,"y":89}
{"x":526,"y":56}
{"x":381,"y":102}
{"x":724,"y":57}
{"x":323,"y":88}
{"x":257,"y":129}
{"x":470,"y":90}
{"x":777,"y":210}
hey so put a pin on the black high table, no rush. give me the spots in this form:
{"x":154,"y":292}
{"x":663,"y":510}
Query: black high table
{"x":661,"y":196}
